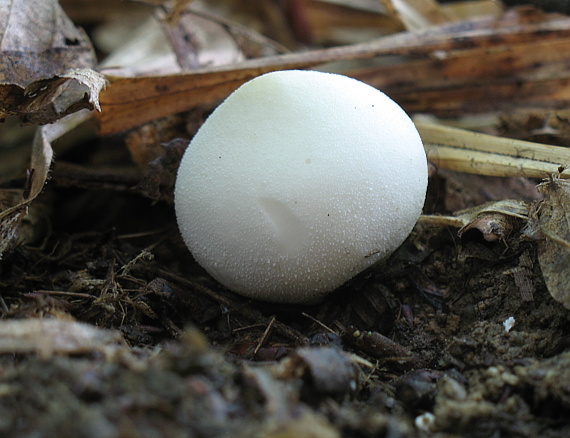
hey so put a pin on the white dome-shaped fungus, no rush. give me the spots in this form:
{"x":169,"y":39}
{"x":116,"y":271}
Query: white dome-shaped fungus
{"x":297,"y":182}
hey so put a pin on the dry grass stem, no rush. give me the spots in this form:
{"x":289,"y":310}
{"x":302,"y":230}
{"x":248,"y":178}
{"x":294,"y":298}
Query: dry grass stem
{"x":472,"y":152}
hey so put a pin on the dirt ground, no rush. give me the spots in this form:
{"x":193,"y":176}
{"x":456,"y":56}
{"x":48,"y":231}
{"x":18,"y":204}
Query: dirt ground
{"x":109,"y":329}
{"x":419,"y":345}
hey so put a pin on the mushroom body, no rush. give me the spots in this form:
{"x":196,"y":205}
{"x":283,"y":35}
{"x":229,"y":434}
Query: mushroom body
{"x":297,"y":182}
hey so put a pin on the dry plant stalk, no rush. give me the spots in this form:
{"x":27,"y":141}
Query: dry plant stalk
{"x":473,"y":152}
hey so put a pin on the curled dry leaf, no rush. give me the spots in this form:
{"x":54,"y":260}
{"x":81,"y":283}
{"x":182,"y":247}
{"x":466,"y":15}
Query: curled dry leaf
{"x":464,"y":219}
{"x":210,"y":44}
{"x":45,"y":63}
{"x":203,"y":39}
{"x":492,"y":226}
{"x":552,"y":218}
{"x":14,"y":205}
{"x":48,"y":100}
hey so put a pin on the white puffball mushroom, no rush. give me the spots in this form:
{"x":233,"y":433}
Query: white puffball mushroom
{"x":297,"y":182}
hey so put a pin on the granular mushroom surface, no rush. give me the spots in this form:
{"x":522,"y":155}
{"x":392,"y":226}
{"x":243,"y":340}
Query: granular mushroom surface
{"x":297,"y":182}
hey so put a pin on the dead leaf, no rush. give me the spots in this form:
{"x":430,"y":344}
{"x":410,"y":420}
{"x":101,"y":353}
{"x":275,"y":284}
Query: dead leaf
{"x":509,"y":209}
{"x":45,"y":63}
{"x":200,"y":42}
{"x":131,"y":101}
{"x":203,"y":39}
{"x":492,"y":226}
{"x":143,"y":51}
{"x":554,"y":247}
{"x":14,"y":209}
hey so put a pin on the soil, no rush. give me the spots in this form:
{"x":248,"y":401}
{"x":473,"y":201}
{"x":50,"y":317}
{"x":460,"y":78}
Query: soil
{"x":451,"y":337}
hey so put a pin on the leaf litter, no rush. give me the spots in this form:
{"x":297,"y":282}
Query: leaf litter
{"x":551,"y":225}
{"x":47,"y":63}
{"x":110,"y":329}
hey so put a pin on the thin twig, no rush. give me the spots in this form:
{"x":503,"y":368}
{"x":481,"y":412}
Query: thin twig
{"x":264,"y":336}
{"x":64,"y":293}
{"x":316,"y":321}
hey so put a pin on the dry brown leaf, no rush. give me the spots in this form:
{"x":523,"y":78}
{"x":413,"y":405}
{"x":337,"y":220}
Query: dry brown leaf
{"x":14,"y":207}
{"x":144,"y":50}
{"x":508,"y":208}
{"x":554,"y":246}
{"x":200,"y":42}
{"x":201,"y":38}
{"x":130,"y":101}
{"x":192,"y":38}
{"x":492,"y":226}
{"x":14,"y":204}
{"x":44,"y":63}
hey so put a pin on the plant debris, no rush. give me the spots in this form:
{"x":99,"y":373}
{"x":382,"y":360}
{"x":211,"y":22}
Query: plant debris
{"x":108,"y":326}
{"x":46,"y":70}
{"x":553,"y":227}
